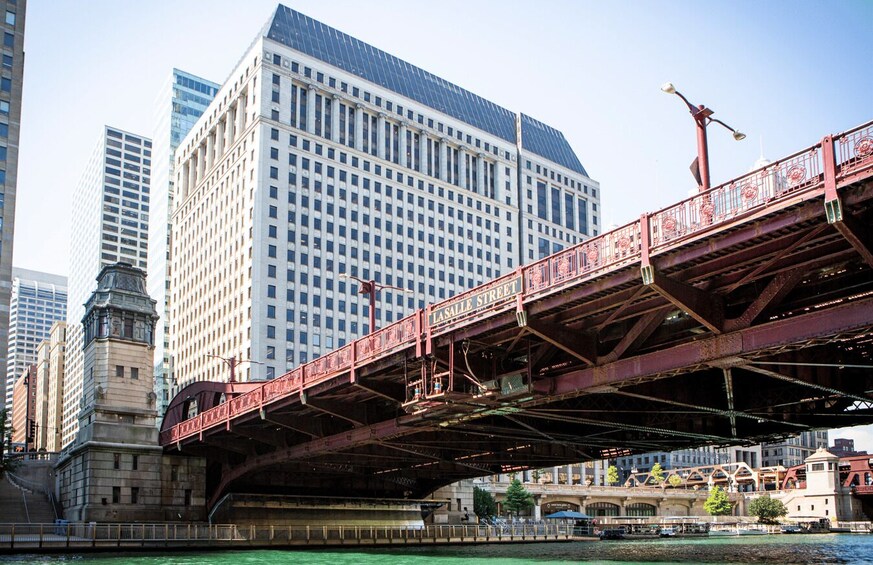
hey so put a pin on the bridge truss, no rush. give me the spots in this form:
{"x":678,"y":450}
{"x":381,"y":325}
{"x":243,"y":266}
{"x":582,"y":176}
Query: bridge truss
{"x":741,"y":314}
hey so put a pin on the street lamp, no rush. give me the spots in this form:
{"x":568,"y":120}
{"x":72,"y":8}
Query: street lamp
{"x":702,"y":117}
{"x":370,"y":288}
{"x":233,"y":363}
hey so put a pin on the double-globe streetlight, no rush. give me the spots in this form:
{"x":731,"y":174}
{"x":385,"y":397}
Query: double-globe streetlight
{"x":233,"y":363}
{"x":371,"y":288}
{"x":702,"y":117}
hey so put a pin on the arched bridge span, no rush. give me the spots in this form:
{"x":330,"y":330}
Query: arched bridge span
{"x":742,"y":313}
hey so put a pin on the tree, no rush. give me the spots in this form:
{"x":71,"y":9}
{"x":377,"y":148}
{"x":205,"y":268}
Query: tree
{"x":612,"y":475}
{"x":7,"y":464}
{"x":484,"y":505}
{"x":767,"y":509}
{"x":718,"y":503}
{"x":657,"y":473}
{"x":517,"y":498}
{"x":674,"y":481}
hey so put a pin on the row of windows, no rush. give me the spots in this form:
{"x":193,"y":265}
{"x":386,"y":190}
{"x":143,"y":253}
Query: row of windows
{"x":376,"y":135}
{"x":387,"y":105}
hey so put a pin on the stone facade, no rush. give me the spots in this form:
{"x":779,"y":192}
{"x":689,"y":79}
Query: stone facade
{"x":115,"y":471}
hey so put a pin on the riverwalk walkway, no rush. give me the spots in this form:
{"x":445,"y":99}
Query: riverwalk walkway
{"x":44,"y":538}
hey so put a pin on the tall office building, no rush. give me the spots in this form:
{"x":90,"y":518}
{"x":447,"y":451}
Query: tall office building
{"x":181,"y":102}
{"x":110,"y":223}
{"x":38,"y":301}
{"x":50,"y":355}
{"x":323,"y":155}
{"x":794,"y":450}
{"x":11,"y":78}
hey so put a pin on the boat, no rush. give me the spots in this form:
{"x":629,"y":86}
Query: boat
{"x":751,"y":532}
{"x":612,"y":534}
{"x":667,"y":532}
{"x":792,"y":530}
{"x":723,"y":533}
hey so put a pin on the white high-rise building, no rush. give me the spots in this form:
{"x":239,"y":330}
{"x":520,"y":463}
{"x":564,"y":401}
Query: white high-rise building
{"x":323,"y":155}
{"x":38,"y":301}
{"x":110,"y":223}
{"x":181,"y":102}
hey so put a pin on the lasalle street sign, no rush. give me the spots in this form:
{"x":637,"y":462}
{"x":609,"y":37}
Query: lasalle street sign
{"x":474,"y":302}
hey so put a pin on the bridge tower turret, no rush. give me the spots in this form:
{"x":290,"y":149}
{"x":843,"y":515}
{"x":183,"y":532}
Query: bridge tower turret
{"x":115,"y":470}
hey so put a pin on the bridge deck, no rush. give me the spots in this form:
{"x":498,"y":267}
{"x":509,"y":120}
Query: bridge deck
{"x":738,"y":314}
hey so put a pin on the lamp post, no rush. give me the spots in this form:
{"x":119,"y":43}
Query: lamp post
{"x":702,"y":118}
{"x":370,"y":288}
{"x":233,"y":363}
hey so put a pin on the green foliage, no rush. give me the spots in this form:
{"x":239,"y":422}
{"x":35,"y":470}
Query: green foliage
{"x":517,"y":498}
{"x":674,"y":481}
{"x":657,"y":473}
{"x":7,"y":464}
{"x":718,"y":503}
{"x":767,"y":510}
{"x":612,"y":475}
{"x":484,"y":505}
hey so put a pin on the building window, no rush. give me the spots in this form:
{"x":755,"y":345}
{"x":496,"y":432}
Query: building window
{"x":10,"y":18}
{"x":5,"y":84}
{"x":116,"y":494}
{"x":134,"y":495}
{"x":119,"y":372}
{"x":187,"y":497}
{"x":135,"y":463}
{"x":134,"y":374}
{"x":116,"y":461}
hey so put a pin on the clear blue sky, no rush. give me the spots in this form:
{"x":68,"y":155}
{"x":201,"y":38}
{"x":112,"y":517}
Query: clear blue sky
{"x":785,"y":73}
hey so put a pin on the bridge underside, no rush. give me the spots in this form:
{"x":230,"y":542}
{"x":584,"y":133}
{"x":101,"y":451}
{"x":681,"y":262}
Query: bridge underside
{"x":757,"y":331}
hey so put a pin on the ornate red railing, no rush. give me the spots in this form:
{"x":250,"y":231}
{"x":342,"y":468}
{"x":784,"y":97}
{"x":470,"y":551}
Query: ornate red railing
{"x":693,"y":217}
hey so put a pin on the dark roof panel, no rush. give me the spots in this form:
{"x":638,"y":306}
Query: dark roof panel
{"x":309,"y":36}
{"x":548,"y":142}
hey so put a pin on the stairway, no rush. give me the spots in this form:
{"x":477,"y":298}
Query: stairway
{"x":23,"y":506}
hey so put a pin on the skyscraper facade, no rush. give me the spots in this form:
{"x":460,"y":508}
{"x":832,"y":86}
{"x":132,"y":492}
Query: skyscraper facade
{"x":110,"y":209}
{"x":11,"y":77}
{"x":38,"y":301}
{"x":181,"y":102}
{"x":793,"y":450}
{"x":322,"y":155}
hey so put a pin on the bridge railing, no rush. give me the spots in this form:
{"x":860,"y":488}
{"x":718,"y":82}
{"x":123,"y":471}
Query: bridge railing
{"x":694,"y":216}
{"x":854,"y":150}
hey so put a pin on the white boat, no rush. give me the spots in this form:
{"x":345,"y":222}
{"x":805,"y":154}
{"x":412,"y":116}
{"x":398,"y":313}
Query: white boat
{"x":723,"y":533}
{"x":752,"y":532}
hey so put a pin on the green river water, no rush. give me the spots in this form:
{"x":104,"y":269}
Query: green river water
{"x":824,"y":548}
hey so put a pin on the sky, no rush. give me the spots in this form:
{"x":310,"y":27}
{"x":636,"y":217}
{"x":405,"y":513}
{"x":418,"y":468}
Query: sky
{"x":786,"y":73}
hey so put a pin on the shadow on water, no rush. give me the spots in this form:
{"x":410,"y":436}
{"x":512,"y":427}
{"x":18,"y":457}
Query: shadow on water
{"x":833,"y":548}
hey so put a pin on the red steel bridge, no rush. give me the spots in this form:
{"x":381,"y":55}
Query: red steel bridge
{"x":740,"y":314}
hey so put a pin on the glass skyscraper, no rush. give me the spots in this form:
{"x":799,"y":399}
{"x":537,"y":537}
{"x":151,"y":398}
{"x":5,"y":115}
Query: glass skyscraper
{"x":11,"y":77}
{"x":180,"y":104}
{"x":38,"y":301}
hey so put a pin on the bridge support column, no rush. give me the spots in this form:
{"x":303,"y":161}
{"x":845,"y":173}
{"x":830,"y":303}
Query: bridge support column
{"x":554,"y":475}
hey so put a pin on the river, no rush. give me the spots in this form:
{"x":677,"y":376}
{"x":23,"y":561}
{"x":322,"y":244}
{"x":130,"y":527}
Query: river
{"x":820,"y":548}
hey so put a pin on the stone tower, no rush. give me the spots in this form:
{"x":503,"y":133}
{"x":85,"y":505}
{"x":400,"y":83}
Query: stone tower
{"x":113,"y":471}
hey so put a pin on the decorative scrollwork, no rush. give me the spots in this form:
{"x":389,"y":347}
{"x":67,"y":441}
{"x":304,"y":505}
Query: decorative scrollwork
{"x":592,"y":254}
{"x":749,"y":191}
{"x":864,"y":147}
{"x":669,"y":224}
{"x":796,"y":175}
{"x":624,"y":243}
